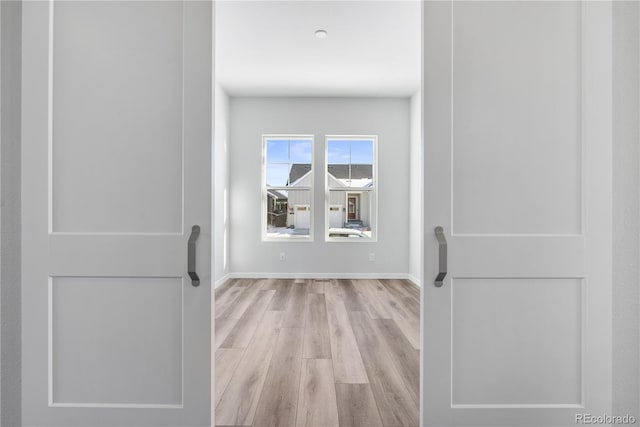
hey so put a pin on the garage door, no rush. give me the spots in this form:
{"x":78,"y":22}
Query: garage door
{"x":335,"y":216}
{"x":302,"y":217}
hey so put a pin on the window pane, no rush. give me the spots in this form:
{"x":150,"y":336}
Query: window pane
{"x":288,"y":213}
{"x":350,"y":163}
{"x":277,"y":151}
{"x":288,"y":166}
{"x":300,"y":151}
{"x":361,"y":175}
{"x":362,"y":152}
{"x":353,"y":175}
{"x":299,"y":175}
{"x":349,"y":214}
{"x":277,"y":175}
{"x":338,"y":152}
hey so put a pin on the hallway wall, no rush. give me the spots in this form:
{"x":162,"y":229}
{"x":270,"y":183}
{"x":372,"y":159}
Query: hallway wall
{"x":221,"y":186}
{"x":626,"y":208}
{"x":415,"y":190}
{"x":388,"y":118}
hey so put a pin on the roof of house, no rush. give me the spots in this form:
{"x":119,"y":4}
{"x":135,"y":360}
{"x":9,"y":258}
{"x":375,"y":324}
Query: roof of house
{"x":339,"y":172}
{"x":298,"y":170}
{"x":275,"y":194}
{"x":357,"y":171}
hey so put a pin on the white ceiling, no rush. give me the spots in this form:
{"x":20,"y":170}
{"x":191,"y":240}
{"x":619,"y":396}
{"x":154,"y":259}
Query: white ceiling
{"x":268,"y":48}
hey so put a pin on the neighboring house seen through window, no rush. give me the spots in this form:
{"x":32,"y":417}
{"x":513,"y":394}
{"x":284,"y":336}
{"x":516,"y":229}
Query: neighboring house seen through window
{"x":351,"y":199}
{"x":287,"y":190}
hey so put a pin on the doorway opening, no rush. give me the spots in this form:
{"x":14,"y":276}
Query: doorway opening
{"x":308,"y":329}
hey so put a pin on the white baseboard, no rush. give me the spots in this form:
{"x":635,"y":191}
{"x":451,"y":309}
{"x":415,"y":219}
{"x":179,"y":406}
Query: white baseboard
{"x":220,"y":281}
{"x":414,"y":280}
{"x":322,"y":276}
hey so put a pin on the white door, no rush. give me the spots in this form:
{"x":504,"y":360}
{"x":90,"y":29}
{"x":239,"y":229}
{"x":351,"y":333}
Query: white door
{"x":116,"y":171}
{"x":302,"y":216}
{"x":335,"y":216}
{"x":517,"y":122}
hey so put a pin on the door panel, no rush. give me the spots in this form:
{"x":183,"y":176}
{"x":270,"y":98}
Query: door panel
{"x":517,"y":127}
{"x":512,"y":85}
{"x":117,"y":91}
{"x":116,"y":170}
{"x":543,"y":333}
{"x":129,"y":327}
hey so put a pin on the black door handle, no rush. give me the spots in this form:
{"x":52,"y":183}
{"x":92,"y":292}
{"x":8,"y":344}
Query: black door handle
{"x":442,"y":256}
{"x":191,"y":255}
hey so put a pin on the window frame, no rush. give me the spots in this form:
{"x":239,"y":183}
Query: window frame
{"x":263,"y":188}
{"x":373,"y":190}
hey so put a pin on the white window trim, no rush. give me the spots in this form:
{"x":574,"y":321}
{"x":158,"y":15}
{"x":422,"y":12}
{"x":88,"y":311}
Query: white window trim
{"x":263,"y":189}
{"x":373,"y":191}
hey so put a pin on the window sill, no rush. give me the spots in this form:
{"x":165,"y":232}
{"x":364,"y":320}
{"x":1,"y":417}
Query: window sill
{"x":350,"y":240}
{"x":288,"y":239}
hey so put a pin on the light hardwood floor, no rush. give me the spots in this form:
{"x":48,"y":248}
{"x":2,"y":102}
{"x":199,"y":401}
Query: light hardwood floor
{"x":323,"y":353}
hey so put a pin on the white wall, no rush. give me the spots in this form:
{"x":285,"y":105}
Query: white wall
{"x":415,"y":189}
{"x":387,"y":118}
{"x":626,"y":208}
{"x":221,"y":186}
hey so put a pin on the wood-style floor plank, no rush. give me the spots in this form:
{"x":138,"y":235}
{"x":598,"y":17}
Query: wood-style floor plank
{"x":330,"y":366}
{"x":350,"y":295}
{"x":237,"y":308}
{"x":347,"y":361}
{"x":317,"y":406}
{"x":226,"y":362}
{"x":239,"y":401}
{"x":283,"y":293}
{"x":401,"y":288}
{"x":223,"y":328}
{"x":224,"y":287}
{"x":356,"y":406}
{"x":269,"y":284}
{"x":294,"y":316}
{"x":277,"y":408}
{"x":370,"y":300}
{"x":403,"y":355}
{"x":413,"y":289}
{"x":243,"y":331}
{"x":394,"y":401}
{"x":412,"y":306}
{"x":225,"y":299}
{"x":408,"y":324}
{"x":317,"y":344}
{"x":317,"y":286}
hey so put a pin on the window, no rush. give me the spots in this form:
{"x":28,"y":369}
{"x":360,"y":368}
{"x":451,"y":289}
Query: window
{"x":287,"y":187}
{"x":351,"y":198}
